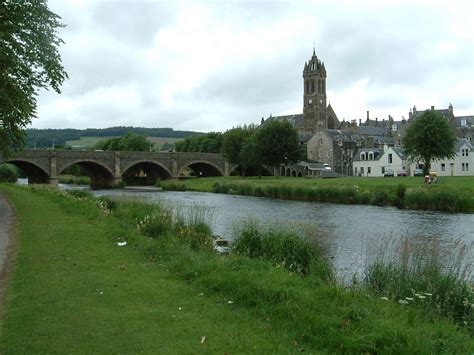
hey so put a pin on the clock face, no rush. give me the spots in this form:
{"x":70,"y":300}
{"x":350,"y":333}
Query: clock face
{"x":321,"y":101}
{"x":310,"y":101}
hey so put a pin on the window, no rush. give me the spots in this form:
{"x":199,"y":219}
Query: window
{"x":383,"y":169}
{"x":355,"y":171}
{"x":443,"y":167}
{"x":362,"y":170}
{"x":465,"y":167}
{"x":368,"y":170}
{"x":390,"y":159}
{"x":465,"y":152}
{"x":371,"y":156}
{"x":362,"y":156}
{"x":463,"y":122}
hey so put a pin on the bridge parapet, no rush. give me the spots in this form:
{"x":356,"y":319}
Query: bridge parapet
{"x":107,"y":167}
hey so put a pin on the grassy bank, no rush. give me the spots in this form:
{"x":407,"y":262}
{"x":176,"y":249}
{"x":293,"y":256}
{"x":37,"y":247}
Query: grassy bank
{"x":75,"y":290}
{"x":454,"y":194}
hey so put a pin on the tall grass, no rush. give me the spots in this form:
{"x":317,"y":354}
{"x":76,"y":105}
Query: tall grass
{"x":284,"y":248}
{"x":422,"y":274}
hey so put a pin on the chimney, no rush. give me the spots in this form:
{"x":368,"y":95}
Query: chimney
{"x":360,"y":122}
{"x":263,"y":120}
{"x":432,"y":108}
{"x":376,"y":121}
{"x":367,"y":115}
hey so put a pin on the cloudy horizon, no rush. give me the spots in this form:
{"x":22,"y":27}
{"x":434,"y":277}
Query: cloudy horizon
{"x":211,"y":65}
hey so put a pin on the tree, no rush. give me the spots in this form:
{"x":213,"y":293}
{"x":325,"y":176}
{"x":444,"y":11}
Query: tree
{"x":250,"y":158}
{"x":204,"y":143}
{"x":277,"y":142}
{"x":29,"y":61}
{"x":233,"y":142}
{"x":428,"y":138}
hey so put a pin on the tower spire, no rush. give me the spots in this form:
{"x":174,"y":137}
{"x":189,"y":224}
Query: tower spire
{"x":314,"y":48}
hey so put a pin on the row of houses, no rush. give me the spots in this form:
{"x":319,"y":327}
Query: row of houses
{"x":376,"y":162}
{"x":373,"y":146}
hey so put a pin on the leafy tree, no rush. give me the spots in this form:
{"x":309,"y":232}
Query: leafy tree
{"x":205,"y":143}
{"x":29,"y":61}
{"x":277,"y":142}
{"x":131,"y":142}
{"x":428,"y":138}
{"x":250,"y":157}
{"x":233,"y":142}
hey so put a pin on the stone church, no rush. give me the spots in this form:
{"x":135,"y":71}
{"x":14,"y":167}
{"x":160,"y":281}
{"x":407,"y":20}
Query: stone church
{"x":317,"y":114}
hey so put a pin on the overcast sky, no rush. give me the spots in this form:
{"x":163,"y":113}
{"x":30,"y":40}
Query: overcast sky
{"x":211,"y":65}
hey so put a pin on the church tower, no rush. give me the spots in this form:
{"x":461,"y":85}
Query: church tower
{"x":314,"y":97}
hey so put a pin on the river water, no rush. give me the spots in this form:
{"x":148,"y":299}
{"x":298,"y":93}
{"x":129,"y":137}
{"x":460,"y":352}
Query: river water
{"x":352,"y":234}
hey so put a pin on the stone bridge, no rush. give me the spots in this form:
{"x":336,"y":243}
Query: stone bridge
{"x":107,"y":168}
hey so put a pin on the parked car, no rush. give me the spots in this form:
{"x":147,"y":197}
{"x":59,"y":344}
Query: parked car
{"x":401,"y":172}
{"x":388,"y":173}
{"x":418,"y":172}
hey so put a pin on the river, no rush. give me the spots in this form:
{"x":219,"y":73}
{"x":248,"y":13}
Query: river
{"x":352,"y":234}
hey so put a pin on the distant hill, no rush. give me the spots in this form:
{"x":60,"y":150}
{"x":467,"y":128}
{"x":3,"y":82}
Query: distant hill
{"x":44,"y":138}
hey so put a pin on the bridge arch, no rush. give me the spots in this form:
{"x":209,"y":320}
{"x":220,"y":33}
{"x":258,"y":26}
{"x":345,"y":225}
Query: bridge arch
{"x":145,"y":172}
{"x":35,"y":173}
{"x":101,"y":175}
{"x":201,"y":168}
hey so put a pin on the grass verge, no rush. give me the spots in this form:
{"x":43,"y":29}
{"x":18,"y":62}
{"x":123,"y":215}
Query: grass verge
{"x":75,"y":290}
{"x":453,"y":194}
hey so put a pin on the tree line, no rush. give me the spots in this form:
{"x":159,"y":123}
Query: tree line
{"x":250,"y":147}
{"x":47,"y":138}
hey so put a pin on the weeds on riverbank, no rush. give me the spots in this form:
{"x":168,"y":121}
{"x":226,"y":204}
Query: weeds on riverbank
{"x":74,"y":180}
{"x":379,"y":192}
{"x":284,"y":248}
{"x":423,"y":275}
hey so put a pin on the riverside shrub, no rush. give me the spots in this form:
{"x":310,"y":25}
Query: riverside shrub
{"x":283,"y":248}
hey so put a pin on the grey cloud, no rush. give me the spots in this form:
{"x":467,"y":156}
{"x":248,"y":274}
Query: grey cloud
{"x":135,"y":22}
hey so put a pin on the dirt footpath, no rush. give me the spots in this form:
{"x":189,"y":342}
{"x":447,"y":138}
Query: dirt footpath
{"x":7,"y":234}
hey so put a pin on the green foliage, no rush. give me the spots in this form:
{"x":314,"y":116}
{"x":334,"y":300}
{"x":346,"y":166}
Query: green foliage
{"x":29,"y":61}
{"x":283,"y":248}
{"x":203,"y":143}
{"x":421,"y":275}
{"x":131,"y":142}
{"x":429,"y":137}
{"x":277,"y":142}
{"x":251,"y":159}
{"x":8,"y":173}
{"x":233,"y":142}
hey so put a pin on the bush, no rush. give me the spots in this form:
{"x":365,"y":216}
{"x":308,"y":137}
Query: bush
{"x":283,"y":248}
{"x":8,"y":173}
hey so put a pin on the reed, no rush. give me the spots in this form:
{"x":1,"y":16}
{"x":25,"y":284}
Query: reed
{"x":423,"y":275}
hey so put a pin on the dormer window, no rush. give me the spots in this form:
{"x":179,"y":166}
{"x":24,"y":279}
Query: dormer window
{"x":371,"y":156}
{"x":463,"y":122}
{"x":362,"y":156}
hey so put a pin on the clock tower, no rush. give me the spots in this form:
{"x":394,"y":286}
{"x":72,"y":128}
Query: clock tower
{"x":314,"y":97}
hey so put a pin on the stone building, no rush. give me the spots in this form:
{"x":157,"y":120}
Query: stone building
{"x":317,"y":114}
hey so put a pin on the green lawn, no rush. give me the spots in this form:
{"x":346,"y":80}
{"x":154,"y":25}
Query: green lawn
{"x":456,"y":182}
{"x":73,"y":290}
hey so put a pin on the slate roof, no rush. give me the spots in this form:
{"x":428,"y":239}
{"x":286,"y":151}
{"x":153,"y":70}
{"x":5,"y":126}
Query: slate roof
{"x":372,"y":131}
{"x":296,"y":120}
{"x":367,"y":150}
{"x":444,"y":112}
{"x":469,"y":121}
{"x":461,"y":142}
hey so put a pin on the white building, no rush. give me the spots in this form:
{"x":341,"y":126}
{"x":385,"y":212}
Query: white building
{"x":374,"y":162}
{"x":461,"y":165}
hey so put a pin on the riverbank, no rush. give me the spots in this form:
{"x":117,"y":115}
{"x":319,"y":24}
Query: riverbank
{"x":453,"y":194}
{"x":74,"y":289}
